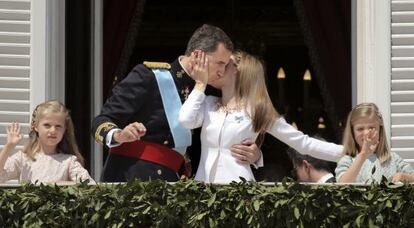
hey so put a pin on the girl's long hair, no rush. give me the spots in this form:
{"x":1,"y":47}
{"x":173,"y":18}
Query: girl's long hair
{"x":251,"y":90}
{"x":365,"y":110}
{"x":68,"y":143}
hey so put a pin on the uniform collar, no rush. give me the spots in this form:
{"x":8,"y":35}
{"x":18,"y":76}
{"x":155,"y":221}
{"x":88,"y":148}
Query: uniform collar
{"x":178,"y":72}
{"x":179,"y":61}
{"x":184,"y":82}
{"x":324,"y":178}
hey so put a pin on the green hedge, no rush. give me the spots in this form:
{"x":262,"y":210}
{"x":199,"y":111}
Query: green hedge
{"x":192,"y":204}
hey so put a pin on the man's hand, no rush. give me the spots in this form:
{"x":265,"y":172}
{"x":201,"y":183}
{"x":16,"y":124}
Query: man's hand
{"x":130,"y":133}
{"x":246,"y":153}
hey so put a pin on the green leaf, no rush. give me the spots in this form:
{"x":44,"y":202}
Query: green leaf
{"x":388,"y":204}
{"x":296,"y":212}
{"x":95,"y":217}
{"x":212,"y":223}
{"x":222,"y":214}
{"x":146,"y":210}
{"x":200,"y":216}
{"x":359,"y":220}
{"x":211,"y":200}
{"x":371,"y":223}
{"x":370,"y":196}
{"x":397,"y":185}
{"x":280,"y":189}
{"x":249,"y":221}
{"x":241,"y":203}
{"x":107,"y":215}
{"x":256,"y":205}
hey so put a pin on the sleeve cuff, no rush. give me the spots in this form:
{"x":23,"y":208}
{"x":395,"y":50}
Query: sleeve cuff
{"x":259,"y":162}
{"x":199,"y":95}
{"x":108,"y":140}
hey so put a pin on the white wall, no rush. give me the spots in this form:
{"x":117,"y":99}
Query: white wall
{"x":385,"y":66}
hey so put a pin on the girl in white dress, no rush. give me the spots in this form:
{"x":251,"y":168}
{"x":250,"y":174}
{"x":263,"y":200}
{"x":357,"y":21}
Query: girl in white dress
{"x":50,"y":156}
{"x":244,"y":111}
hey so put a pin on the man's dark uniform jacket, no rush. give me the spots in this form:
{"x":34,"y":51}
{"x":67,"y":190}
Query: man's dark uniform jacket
{"x":137,"y":99}
{"x":331,"y":180}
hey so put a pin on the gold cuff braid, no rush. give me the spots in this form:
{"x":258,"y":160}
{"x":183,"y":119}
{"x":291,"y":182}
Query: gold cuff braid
{"x":104,"y":127}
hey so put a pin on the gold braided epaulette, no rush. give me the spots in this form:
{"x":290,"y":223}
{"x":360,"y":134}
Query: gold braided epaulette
{"x":157,"y":65}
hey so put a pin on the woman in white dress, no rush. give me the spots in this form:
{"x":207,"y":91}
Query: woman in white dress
{"x":244,"y":111}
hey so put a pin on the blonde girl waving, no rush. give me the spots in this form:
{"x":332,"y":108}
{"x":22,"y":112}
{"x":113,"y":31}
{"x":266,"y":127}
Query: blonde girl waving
{"x":50,"y":156}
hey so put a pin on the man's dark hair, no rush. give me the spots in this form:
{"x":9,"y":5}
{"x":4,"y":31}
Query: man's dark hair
{"x":318,"y":164}
{"x":206,"y":38}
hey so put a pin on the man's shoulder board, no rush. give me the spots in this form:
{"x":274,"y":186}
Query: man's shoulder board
{"x":157,"y":65}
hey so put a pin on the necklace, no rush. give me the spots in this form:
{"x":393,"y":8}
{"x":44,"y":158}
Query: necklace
{"x":229,"y":108}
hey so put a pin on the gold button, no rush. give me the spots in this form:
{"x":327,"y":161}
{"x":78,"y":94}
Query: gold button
{"x":159,"y":172}
{"x":165,"y":142}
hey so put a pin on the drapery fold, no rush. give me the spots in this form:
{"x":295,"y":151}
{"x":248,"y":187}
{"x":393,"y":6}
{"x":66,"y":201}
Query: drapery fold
{"x":121,"y":26}
{"x":326,"y":28}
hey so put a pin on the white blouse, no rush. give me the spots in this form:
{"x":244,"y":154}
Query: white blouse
{"x":46,"y":168}
{"x":221,"y":130}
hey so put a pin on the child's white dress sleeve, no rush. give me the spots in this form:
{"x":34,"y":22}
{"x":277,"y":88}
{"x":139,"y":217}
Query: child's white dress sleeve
{"x":192,"y":112}
{"x":12,"y":167}
{"x":77,"y":172}
{"x":305,"y":144}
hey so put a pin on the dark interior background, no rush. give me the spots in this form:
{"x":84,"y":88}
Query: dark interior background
{"x":295,"y":35}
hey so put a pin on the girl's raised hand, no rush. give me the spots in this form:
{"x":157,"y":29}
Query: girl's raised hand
{"x":13,"y":134}
{"x":370,"y":143}
{"x":199,"y":62}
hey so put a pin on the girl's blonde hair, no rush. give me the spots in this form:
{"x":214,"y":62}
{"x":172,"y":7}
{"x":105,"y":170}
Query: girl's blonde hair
{"x":68,"y":143}
{"x":250,"y":90}
{"x":365,"y":110}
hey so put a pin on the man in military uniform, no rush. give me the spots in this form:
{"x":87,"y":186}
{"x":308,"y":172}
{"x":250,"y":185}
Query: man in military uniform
{"x":139,"y":121}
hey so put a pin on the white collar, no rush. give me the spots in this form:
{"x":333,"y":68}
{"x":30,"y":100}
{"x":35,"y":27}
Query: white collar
{"x":324,"y":178}
{"x":179,"y":61}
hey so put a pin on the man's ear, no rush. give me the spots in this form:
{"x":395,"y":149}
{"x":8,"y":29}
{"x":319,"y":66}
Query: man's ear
{"x":307,"y":165}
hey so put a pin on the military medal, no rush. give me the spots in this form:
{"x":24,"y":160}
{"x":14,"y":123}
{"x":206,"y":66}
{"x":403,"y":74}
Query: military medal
{"x":180,"y":73}
{"x":185,"y":92}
